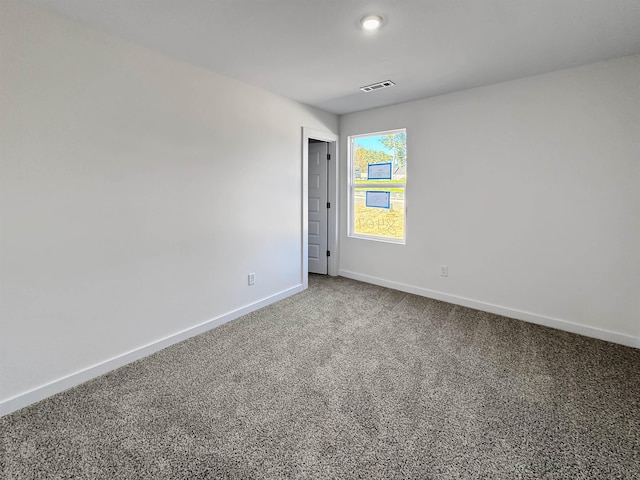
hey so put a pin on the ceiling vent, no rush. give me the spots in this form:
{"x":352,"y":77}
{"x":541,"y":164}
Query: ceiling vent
{"x":377,"y":86}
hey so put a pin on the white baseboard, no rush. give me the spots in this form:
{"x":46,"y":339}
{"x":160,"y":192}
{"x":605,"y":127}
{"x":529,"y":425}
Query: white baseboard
{"x":565,"y":325}
{"x":39,"y":393}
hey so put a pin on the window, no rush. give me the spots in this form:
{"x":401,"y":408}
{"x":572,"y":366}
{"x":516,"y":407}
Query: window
{"x":377,"y":185}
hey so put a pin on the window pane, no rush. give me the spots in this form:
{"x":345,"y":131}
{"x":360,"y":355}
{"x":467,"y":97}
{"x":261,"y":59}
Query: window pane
{"x":377,"y":182}
{"x":379,"y":221}
{"x":372,"y":151}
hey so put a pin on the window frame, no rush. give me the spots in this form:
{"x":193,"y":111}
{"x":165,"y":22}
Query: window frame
{"x":352,"y":186}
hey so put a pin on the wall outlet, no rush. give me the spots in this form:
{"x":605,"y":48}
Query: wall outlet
{"x":444,"y":270}
{"x":251,"y":279}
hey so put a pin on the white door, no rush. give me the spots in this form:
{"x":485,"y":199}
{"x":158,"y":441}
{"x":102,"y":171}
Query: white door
{"x":318,"y":207}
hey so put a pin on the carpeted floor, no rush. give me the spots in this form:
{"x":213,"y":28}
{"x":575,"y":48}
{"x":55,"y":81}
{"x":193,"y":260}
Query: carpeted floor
{"x":347,"y":380}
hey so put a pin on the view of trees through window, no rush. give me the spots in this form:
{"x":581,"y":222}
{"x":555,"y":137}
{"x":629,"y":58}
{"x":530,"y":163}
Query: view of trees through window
{"x":377,"y":186}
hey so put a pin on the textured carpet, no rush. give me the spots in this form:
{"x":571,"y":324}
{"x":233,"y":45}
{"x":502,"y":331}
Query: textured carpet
{"x":347,"y":380}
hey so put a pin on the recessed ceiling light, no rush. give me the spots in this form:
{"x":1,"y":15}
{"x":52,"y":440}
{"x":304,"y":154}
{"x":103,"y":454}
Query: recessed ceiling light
{"x":371,"y":22}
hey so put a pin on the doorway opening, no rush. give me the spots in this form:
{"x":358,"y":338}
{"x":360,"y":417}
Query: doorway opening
{"x":320,"y":203}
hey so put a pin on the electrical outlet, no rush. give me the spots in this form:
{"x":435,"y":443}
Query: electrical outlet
{"x":444,"y":270}
{"x":251,"y":278}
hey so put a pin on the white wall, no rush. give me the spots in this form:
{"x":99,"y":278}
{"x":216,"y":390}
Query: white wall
{"x":529,"y":191}
{"x":136,"y":194}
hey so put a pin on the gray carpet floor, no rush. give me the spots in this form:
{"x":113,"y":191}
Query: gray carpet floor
{"x":348,"y":381}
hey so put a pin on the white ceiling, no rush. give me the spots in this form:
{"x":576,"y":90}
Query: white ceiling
{"x":313,"y":51}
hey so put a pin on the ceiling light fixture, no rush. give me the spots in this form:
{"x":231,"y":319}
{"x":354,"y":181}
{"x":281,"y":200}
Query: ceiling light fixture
{"x":371,"y":22}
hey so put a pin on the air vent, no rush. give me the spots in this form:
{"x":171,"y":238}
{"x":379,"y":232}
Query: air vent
{"x":377,"y":86}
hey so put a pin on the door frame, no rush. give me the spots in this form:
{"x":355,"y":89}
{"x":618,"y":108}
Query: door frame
{"x":332,"y":197}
